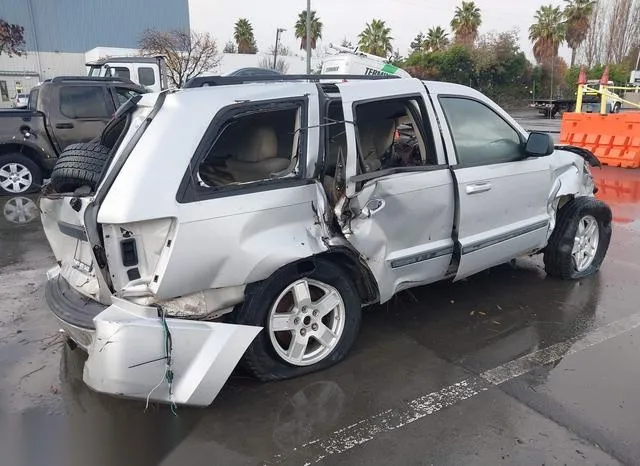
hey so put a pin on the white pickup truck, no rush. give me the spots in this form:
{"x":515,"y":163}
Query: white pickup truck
{"x":253,"y":221}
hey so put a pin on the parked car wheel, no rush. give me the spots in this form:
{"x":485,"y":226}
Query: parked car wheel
{"x":79,"y":165}
{"x":580,"y":239}
{"x":310,"y":319}
{"x":616,"y":107}
{"x":19,"y":175}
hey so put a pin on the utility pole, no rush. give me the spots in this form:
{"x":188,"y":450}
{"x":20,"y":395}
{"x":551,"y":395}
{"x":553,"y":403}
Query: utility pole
{"x":35,"y":40}
{"x":308,"y":38}
{"x":275,"y":51}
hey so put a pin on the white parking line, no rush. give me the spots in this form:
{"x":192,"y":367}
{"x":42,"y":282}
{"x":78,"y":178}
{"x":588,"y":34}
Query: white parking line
{"x":367,"y":429}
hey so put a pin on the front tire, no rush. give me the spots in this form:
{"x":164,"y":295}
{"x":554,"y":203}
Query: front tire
{"x":19,"y":175}
{"x":580,"y":239}
{"x":310,"y":318}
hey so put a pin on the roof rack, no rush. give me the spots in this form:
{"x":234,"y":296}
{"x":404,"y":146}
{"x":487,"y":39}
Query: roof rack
{"x":58,"y":79}
{"x":203,"y":81}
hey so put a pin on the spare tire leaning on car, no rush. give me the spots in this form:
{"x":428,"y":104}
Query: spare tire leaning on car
{"x":79,"y":165}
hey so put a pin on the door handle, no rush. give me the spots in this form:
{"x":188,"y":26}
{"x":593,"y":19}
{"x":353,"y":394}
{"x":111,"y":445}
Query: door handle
{"x":64,"y":125}
{"x":478,"y":188}
{"x":372,"y":207}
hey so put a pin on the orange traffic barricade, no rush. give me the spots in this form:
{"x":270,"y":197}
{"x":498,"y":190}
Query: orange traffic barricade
{"x":613,"y":138}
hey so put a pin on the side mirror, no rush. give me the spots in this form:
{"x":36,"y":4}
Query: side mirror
{"x":539,"y":144}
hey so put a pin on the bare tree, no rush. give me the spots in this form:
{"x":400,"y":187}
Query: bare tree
{"x":614,"y":31}
{"x":230,"y":47}
{"x":11,"y":39}
{"x":267,"y":62}
{"x":623,"y":27}
{"x":187,"y":54}
{"x":593,"y":45}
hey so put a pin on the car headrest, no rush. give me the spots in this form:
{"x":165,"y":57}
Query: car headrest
{"x":260,"y":143}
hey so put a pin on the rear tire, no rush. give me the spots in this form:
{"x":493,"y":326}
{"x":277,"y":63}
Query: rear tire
{"x":271,"y":356}
{"x":79,"y":165}
{"x":580,"y":239}
{"x":19,"y":175}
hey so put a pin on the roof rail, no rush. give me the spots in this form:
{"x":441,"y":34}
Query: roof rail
{"x":59,"y":79}
{"x":203,"y":81}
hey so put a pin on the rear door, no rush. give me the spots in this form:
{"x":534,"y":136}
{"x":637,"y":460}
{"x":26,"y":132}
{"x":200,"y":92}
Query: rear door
{"x":80,"y":112}
{"x":400,"y":208}
{"x":503,"y":194}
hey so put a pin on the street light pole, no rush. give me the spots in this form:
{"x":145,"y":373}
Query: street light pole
{"x":275,"y":51}
{"x":308,"y":38}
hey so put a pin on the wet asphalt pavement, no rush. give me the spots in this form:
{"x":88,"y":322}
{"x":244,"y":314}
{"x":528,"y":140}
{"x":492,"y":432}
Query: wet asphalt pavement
{"x":507,"y":367}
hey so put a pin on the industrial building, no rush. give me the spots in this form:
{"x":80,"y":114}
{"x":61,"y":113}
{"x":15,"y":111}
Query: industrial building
{"x":59,"y":33}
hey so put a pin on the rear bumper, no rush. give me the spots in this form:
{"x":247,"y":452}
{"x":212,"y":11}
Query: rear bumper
{"x":126,"y":347}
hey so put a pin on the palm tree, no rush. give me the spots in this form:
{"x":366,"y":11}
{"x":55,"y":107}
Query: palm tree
{"x":437,"y":40}
{"x":465,"y":23}
{"x":375,"y":39}
{"x":547,"y":33}
{"x":301,"y":29}
{"x":578,"y":18}
{"x":243,"y":35}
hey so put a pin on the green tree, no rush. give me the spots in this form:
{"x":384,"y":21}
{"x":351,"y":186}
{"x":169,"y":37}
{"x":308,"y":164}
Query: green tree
{"x":501,"y":69}
{"x":547,"y":33}
{"x":437,"y":39}
{"x":577,"y":14}
{"x":452,"y":65}
{"x":465,"y":23}
{"x":396,"y":59}
{"x":301,"y":29}
{"x":243,"y":35}
{"x":619,"y":74}
{"x":376,"y":39}
{"x":418,"y":43}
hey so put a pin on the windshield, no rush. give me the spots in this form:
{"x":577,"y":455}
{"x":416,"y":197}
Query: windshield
{"x":94,"y":71}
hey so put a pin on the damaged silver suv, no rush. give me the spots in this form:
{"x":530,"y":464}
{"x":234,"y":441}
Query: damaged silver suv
{"x":252,"y":221}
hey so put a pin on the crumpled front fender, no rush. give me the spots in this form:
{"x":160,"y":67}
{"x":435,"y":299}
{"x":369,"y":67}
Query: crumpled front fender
{"x":127,"y":355}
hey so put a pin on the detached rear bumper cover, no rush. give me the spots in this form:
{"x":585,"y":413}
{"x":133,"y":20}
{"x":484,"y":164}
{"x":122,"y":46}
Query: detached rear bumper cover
{"x":126,"y":352}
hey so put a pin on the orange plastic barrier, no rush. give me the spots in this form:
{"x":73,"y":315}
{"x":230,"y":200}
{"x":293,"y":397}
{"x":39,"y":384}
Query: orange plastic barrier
{"x":613,"y":138}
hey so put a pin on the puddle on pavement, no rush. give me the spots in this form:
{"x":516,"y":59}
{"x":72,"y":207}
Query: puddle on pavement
{"x":620,"y":188}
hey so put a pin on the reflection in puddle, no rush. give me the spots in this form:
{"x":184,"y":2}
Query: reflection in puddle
{"x":620,"y":188}
{"x":20,"y":210}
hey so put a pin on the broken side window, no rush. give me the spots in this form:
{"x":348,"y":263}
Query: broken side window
{"x":262,"y":144}
{"x":390,"y":135}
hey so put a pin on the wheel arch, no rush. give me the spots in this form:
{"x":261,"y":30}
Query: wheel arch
{"x":345,"y":258}
{"x":27,"y":150}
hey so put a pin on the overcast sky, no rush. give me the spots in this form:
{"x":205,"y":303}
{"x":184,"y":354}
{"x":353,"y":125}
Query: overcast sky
{"x":348,"y":17}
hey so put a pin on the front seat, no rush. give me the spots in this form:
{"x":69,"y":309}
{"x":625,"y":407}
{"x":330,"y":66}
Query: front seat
{"x":376,"y":137}
{"x":257,"y":157}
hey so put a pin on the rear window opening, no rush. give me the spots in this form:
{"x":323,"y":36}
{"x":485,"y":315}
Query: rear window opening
{"x":253,"y":147}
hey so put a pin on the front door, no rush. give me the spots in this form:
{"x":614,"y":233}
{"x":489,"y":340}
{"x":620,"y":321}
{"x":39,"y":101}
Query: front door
{"x":503,"y":194}
{"x":400,"y":195}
